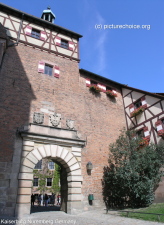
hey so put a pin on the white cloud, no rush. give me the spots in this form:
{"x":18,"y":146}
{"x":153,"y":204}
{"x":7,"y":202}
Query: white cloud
{"x":100,"y":44}
{"x":93,"y":42}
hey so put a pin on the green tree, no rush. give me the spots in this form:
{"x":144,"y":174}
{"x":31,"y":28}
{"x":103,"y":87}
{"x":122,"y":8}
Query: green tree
{"x":42,"y":181}
{"x":133,"y":173}
{"x":56,"y":179}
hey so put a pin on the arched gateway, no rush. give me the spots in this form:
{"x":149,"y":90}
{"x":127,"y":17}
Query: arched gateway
{"x":66,"y":152}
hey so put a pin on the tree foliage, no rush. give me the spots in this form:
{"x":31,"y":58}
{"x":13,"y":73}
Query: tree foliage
{"x":133,"y":173}
{"x":56,"y":179}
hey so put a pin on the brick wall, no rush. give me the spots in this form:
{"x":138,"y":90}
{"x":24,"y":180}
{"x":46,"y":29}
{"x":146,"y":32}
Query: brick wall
{"x":24,"y":91}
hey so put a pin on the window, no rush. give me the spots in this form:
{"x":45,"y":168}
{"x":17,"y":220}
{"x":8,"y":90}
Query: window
{"x":94,"y":83}
{"x":38,"y":166}
{"x":109,"y":89}
{"x":35,"y":33}
{"x":32,"y":32}
{"x":138,"y":104}
{"x":64,"y":44}
{"x":49,"y":182}
{"x":48,"y":70}
{"x":138,"y":107}
{"x":160,"y":127}
{"x":140,"y":133}
{"x":51,"y":165}
{"x":35,"y":182}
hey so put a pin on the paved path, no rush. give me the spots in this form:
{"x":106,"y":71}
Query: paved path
{"x":96,"y":217}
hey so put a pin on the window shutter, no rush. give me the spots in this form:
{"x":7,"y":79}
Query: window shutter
{"x":144,"y":103}
{"x":70,"y":45}
{"x":56,"y":71}
{"x":159,"y":126}
{"x":41,"y":67}
{"x":146,"y":132}
{"x":43,"y":35}
{"x":131,"y":108}
{"x":58,"y":41}
{"x":28,"y":30}
{"x":103,"y":88}
{"x":88,"y":82}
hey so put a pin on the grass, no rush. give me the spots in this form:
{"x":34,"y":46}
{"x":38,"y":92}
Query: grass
{"x":154,"y":208}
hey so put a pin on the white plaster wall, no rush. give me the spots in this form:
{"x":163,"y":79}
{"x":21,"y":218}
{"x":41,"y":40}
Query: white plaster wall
{"x":16,"y":25}
{"x":136,"y":95}
{"x":125,"y":91}
{"x":65,"y":37}
{"x":1,"y":19}
{"x":140,"y":118}
{"x":127,"y":100}
{"x":151,"y":100}
{"x":156,"y":109}
{"x":15,"y":19}
{"x":3,"y":14}
{"x":148,"y":115}
{"x":64,"y":51}
{"x":8,"y":24}
{"x":34,"y":41}
{"x":161,"y":116}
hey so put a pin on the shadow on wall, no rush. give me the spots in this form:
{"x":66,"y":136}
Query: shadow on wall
{"x":16,"y":96}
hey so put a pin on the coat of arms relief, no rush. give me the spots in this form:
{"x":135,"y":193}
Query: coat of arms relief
{"x":38,"y":118}
{"x":70,"y":124}
{"x":55,"y":120}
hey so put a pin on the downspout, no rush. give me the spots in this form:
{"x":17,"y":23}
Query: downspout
{"x":19,"y":32}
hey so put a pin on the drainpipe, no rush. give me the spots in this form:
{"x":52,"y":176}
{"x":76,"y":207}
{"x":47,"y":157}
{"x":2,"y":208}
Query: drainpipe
{"x":19,"y":32}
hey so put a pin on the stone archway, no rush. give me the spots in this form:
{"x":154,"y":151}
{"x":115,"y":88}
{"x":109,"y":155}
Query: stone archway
{"x":25,"y":178}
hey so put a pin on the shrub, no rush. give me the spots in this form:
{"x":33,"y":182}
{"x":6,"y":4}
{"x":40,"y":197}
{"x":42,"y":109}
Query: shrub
{"x":133,"y":173}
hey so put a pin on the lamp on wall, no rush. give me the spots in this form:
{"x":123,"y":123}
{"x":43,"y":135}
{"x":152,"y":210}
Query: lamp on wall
{"x":89,"y":167}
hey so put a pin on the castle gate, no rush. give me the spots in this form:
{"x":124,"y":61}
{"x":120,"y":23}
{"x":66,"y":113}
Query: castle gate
{"x":62,"y":146}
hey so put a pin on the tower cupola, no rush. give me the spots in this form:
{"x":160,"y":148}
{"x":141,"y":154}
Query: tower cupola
{"x":48,"y":15}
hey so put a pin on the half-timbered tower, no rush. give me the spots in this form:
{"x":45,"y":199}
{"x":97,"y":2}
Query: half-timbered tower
{"x":51,"y":109}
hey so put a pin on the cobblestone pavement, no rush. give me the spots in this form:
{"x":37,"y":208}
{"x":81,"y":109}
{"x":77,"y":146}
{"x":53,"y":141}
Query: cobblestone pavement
{"x":96,"y":217}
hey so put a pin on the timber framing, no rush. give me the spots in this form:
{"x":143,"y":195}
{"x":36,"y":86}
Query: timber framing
{"x":17,"y":22}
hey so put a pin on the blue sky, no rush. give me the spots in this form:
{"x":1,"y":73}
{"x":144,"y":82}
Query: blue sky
{"x":132,"y":56}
